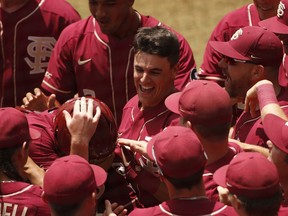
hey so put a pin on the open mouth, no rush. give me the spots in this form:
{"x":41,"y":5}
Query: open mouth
{"x":146,"y":89}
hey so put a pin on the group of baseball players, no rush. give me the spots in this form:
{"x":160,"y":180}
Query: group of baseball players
{"x":109,"y":114}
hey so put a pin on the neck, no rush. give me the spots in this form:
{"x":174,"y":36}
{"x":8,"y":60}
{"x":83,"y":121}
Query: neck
{"x":12,"y":5}
{"x":130,"y":26}
{"x":214,"y":149}
{"x":195,"y":192}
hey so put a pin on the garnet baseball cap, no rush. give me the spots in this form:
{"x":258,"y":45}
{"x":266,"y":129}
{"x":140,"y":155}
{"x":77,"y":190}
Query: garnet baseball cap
{"x":177,"y":152}
{"x":201,"y":102}
{"x":276,"y":129}
{"x":279,"y":23}
{"x":70,"y":179}
{"x":252,"y":43}
{"x":14,"y":128}
{"x":249,"y":175}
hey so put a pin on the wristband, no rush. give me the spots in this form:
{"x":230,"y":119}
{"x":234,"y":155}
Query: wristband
{"x":266,"y":95}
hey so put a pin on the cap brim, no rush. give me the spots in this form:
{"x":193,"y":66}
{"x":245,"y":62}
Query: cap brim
{"x":172,"y":102}
{"x":227,"y":50}
{"x":149,"y":149}
{"x":274,"y":25}
{"x":220,"y":176}
{"x":99,"y":174}
{"x":34,"y":134}
{"x":276,"y":129}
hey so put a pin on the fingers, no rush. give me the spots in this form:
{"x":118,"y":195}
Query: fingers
{"x":51,"y":101}
{"x":67,"y":116}
{"x":38,"y":92}
{"x":97,"y":114}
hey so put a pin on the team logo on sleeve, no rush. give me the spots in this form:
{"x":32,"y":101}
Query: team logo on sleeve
{"x":39,"y":51}
{"x":236,"y":35}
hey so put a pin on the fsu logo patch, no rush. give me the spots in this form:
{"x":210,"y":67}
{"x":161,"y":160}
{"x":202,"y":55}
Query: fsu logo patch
{"x":39,"y":51}
{"x":237,"y":34}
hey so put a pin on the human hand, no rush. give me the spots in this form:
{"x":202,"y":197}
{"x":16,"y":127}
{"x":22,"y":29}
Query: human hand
{"x":39,"y":101}
{"x":251,"y":100}
{"x":114,"y":209}
{"x":82,"y":125}
{"x":134,"y":145}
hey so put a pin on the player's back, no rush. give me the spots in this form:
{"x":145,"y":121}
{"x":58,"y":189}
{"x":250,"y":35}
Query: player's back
{"x":22,"y":199}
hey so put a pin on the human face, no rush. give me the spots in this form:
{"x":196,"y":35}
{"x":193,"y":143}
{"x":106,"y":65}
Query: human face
{"x":238,"y":77}
{"x":266,"y":8}
{"x":113,"y":16}
{"x":153,"y":78}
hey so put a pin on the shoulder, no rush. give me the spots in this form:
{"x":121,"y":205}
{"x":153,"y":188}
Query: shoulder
{"x":60,"y":8}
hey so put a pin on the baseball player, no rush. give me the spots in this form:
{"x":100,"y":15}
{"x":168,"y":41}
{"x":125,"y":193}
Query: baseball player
{"x":205,"y":107}
{"x":69,"y":192}
{"x":145,"y":115}
{"x":274,"y":119}
{"x":279,"y":25}
{"x":17,"y":196}
{"x":249,"y":195}
{"x":61,"y":126}
{"x":180,"y":161}
{"x":57,"y":132}
{"x":253,"y":54}
{"x":248,"y":15}
{"x":95,"y":57}
{"x":29,"y":30}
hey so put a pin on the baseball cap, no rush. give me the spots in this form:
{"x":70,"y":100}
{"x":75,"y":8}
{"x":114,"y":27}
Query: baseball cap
{"x":177,"y":152}
{"x":278,"y":24}
{"x":70,"y":179}
{"x":250,"y":175}
{"x":254,"y":44}
{"x":202,"y":102}
{"x":276,"y":129}
{"x":14,"y":128}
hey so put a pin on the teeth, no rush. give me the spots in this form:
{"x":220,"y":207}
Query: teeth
{"x":146,"y":88}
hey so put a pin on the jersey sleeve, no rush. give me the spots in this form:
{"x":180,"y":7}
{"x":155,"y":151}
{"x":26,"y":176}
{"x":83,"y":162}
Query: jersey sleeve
{"x":59,"y":78}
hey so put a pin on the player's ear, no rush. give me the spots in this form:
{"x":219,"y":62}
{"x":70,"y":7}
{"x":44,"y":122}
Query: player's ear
{"x":258,"y":73}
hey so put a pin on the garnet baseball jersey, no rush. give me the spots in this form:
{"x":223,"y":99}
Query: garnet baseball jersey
{"x":22,"y":199}
{"x":195,"y":206}
{"x":88,"y":62}
{"x":228,"y":25}
{"x":28,"y":36}
{"x":139,"y":124}
{"x":44,"y":150}
{"x":210,"y":169}
{"x":250,"y":130}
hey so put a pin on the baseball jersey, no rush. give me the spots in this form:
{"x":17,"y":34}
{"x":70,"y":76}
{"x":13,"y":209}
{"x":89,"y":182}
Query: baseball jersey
{"x":88,"y":62}
{"x":210,"y":169}
{"x":228,"y":25}
{"x":139,"y":124}
{"x":250,"y":130}
{"x":44,"y":150}
{"x":22,"y":199}
{"x":196,"y":206}
{"x":28,"y":36}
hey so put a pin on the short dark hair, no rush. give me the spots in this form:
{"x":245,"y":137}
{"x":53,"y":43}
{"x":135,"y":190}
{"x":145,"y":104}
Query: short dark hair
{"x":65,"y":210}
{"x":262,"y":207}
{"x":158,"y":40}
{"x":188,"y":182}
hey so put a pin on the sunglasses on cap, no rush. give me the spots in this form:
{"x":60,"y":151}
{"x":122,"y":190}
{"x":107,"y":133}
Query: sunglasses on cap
{"x":232,"y":61}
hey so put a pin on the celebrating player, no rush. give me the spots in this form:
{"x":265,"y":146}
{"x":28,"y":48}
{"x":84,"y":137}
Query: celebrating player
{"x":17,"y":196}
{"x":95,"y":57}
{"x":29,"y":30}
{"x":248,"y":15}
